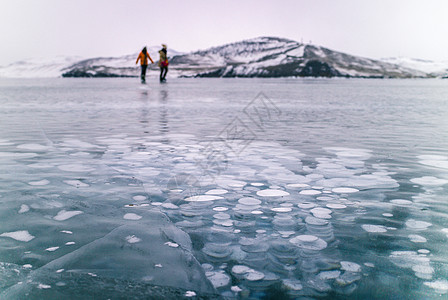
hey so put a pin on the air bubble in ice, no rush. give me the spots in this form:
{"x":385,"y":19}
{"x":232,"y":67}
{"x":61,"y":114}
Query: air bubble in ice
{"x":350,"y":266}
{"x":309,"y":242}
{"x":40,"y":182}
{"x":202,"y":198}
{"x":272,"y":193}
{"x":310,"y":192}
{"x":344,"y":190}
{"x":374,"y":228}
{"x":417,"y":225}
{"x":132,"y":216}
{"x":415,"y":238}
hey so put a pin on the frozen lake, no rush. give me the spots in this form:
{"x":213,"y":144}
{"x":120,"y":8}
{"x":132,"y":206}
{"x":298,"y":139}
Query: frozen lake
{"x":244,"y":188}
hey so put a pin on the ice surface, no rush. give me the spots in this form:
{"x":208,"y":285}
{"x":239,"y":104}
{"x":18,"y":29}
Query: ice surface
{"x":124,"y":259}
{"x":115,"y":187}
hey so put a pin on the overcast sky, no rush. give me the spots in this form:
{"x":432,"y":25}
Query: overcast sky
{"x":91,"y":28}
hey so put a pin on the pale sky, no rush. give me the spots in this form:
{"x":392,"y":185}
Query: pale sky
{"x":92,"y":28}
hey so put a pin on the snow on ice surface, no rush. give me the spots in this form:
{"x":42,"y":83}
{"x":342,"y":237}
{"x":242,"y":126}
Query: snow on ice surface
{"x":21,"y":235}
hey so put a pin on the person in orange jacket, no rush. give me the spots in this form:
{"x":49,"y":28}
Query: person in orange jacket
{"x":143,"y":58}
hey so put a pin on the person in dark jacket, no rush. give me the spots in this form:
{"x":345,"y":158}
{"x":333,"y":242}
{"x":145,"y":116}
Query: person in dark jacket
{"x":143,"y":57}
{"x":163,"y":63}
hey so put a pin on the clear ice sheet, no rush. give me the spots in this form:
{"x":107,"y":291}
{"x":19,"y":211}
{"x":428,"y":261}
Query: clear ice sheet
{"x":107,"y":186}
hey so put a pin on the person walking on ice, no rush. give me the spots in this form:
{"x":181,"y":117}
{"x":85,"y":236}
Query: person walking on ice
{"x":143,"y":57}
{"x":163,"y":63}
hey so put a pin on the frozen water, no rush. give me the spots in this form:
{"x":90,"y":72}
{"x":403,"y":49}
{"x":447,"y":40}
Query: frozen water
{"x":179,"y":202}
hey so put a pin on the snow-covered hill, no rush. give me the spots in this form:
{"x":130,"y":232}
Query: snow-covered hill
{"x":258,"y":57}
{"x":277,"y":57}
{"x":38,"y":68}
{"x":433,"y":68}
